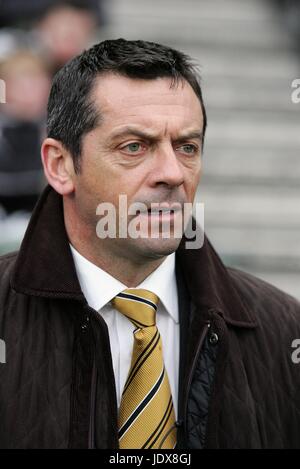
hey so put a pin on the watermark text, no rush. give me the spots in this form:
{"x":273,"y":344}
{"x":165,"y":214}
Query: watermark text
{"x":2,"y":351}
{"x":152,"y":221}
{"x":2,"y":92}
{"x":295,"y":96}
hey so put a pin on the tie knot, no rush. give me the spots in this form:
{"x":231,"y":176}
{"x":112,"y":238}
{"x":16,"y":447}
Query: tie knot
{"x":138,"y":305}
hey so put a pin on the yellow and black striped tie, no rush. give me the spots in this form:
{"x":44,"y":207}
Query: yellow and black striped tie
{"x":146,"y":416}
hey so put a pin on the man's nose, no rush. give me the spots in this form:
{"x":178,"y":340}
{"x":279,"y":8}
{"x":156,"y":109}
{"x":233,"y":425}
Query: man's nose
{"x":167,"y":169}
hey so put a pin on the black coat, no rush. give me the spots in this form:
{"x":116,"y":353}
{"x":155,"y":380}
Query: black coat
{"x":239,"y":387}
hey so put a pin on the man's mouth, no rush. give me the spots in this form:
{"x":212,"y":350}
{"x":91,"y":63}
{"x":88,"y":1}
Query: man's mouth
{"x":154,"y":211}
{"x":164,"y":207}
{"x":162,"y":214}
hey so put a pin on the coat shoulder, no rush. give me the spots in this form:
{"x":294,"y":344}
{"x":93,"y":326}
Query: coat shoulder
{"x":267,"y":301}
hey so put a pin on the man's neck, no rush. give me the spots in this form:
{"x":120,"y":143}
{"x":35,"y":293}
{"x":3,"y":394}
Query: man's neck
{"x":125,"y":270}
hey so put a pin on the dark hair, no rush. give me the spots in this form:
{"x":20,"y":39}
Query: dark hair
{"x":71,"y":113}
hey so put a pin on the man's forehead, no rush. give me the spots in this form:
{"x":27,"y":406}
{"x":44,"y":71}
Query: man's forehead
{"x":118,"y":93}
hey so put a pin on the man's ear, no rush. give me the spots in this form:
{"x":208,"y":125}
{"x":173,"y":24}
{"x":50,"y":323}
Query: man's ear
{"x":58,"y":166}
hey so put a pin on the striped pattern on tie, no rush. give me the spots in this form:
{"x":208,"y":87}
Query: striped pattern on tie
{"x":146,"y":415}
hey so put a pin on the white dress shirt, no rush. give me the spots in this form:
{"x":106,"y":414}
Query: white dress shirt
{"x":99,"y":288}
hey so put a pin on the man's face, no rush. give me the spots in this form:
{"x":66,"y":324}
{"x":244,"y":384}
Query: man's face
{"x":147,"y":147}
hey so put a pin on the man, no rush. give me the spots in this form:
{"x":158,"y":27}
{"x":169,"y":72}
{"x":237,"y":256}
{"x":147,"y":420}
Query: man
{"x":136,"y":341}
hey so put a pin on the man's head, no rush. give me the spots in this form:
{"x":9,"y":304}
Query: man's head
{"x":125,"y":117}
{"x":71,"y":110}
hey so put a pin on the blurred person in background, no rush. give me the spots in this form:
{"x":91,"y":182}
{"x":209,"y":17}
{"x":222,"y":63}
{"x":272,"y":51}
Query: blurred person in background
{"x":63,"y":28}
{"x":24,"y":13}
{"x":64,"y":32}
{"x":55,"y":30}
{"x":22,"y":128}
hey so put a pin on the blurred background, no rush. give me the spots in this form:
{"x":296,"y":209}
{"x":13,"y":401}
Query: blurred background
{"x":249,"y":54}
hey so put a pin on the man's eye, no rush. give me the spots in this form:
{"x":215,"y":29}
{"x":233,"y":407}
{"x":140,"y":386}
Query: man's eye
{"x":133,"y":147}
{"x":188,"y":149}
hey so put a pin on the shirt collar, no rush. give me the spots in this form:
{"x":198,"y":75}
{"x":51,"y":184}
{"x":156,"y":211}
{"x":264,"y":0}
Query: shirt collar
{"x":162,"y":282}
{"x":99,"y":287}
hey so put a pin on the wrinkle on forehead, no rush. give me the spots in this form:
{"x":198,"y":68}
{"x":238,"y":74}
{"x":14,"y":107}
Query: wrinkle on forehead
{"x":113,"y":90}
{"x":133,"y":105}
{"x":121,"y":100}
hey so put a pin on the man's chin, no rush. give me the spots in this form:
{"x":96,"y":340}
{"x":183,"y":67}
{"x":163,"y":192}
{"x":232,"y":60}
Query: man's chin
{"x":156,"y":248}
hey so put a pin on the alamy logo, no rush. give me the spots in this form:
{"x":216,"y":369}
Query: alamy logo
{"x":296,"y":93}
{"x":2,"y":351}
{"x":2,"y":92}
{"x":296,"y":352}
{"x":155,"y":220}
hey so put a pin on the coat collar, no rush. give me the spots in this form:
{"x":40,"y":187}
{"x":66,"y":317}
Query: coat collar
{"x":210,"y":285}
{"x":45,"y":266}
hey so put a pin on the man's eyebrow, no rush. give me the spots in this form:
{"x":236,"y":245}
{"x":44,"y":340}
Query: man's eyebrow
{"x":133,"y":131}
{"x":196,"y":134}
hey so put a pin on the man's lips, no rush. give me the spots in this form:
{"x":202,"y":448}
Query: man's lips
{"x":159,"y":210}
{"x":162,"y":213}
{"x":164,"y":208}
